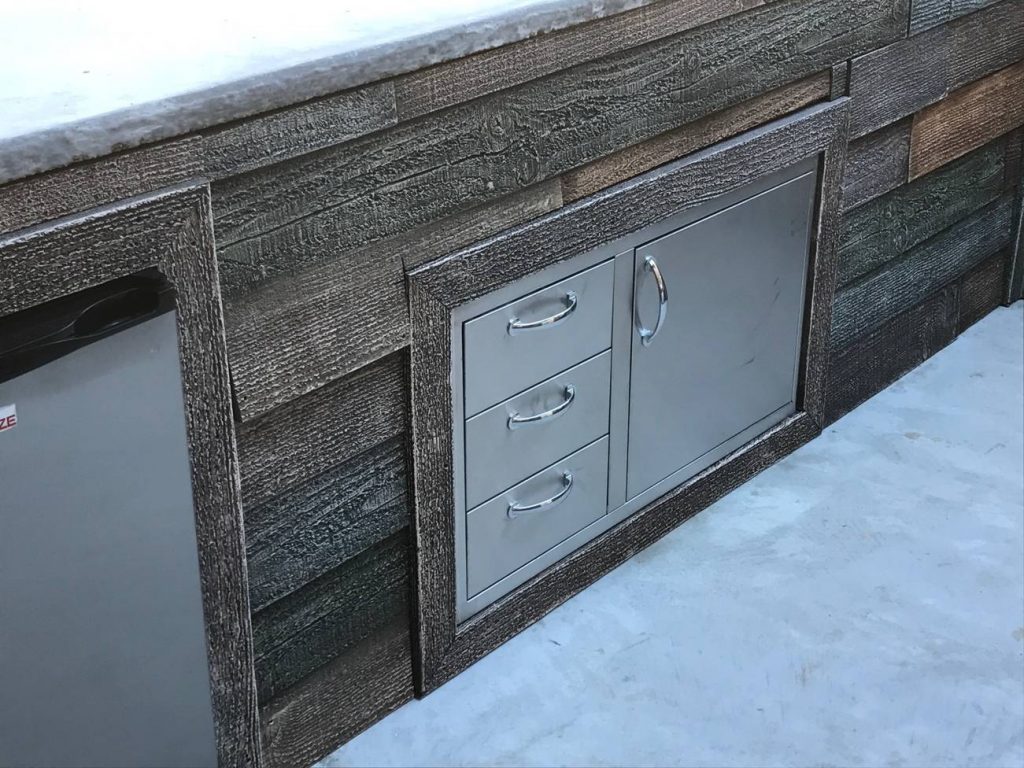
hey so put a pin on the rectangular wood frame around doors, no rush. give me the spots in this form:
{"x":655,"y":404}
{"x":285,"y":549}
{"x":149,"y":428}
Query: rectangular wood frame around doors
{"x":444,"y":647}
{"x":172,"y":231}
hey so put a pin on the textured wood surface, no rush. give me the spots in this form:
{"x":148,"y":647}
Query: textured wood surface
{"x":881,"y":230}
{"x":275,"y":136}
{"x":881,"y":295}
{"x":296,"y":334}
{"x":672,"y":145}
{"x":302,"y":632}
{"x":171,"y":231}
{"x":316,"y":526}
{"x":336,"y":702}
{"x":1015,"y":276}
{"x":876,"y":164}
{"x":311,"y":209}
{"x":295,"y":442}
{"x":926,"y":14}
{"x":981,"y":291}
{"x":895,"y":81}
{"x":966,"y":119}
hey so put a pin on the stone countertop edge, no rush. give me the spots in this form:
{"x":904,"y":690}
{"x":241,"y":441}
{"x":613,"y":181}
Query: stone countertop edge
{"x":62,"y":143}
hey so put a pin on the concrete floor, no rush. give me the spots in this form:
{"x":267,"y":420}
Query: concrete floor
{"x":859,"y":604}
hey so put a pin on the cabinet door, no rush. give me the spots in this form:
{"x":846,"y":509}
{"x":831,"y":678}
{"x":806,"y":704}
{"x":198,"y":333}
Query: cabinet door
{"x":718,"y":310}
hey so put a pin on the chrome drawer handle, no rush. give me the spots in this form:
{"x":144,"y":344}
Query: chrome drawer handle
{"x":516,"y":510}
{"x":515,"y":421}
{"x":515,"y":325}
{"x":647,"y":334}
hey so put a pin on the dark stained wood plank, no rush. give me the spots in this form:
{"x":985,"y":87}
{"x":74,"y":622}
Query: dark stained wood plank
{"x":298,"y":333}
{"x":981,"y":291}
{"x":297,"y":441}
{"x":840,"y":80}
{"x":298,"y":634}
{"x":1015,"y":277}
{"x":313,"y":527}
{"x":455,"y":82}
{"x":926,"y":14}
{"x":879,"y":231}
{"x":62,"y":192}
{"x":967,"y":118}
{"x":869,"y":365}
{"x":634,"y":160}
{"x":270,"y":138}
{"x":323,"y":711}
{"x":312,"y":209}
{"x":881,"y":295}
{"x":876,"y":164}
{"x":985,"y":42}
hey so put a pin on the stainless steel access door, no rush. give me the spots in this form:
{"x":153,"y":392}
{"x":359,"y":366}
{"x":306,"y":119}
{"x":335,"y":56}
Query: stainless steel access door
{"x":718,"y":309}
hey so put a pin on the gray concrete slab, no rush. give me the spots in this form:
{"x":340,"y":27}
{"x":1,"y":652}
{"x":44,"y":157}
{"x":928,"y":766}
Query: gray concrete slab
{"x":859,"y":604}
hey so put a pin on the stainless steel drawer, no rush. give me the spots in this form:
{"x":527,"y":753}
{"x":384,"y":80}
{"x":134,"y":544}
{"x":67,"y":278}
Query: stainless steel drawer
{"x":521,"y":524}
{"x":519,"y":344}
{"x":513,"y":440}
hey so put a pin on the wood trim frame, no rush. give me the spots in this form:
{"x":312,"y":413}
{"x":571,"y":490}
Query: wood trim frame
{"x":444,"y":648}
{"x":172,"y":231}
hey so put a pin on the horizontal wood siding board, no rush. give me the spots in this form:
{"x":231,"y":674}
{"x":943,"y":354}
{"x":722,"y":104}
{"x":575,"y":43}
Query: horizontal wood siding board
{"x":298,"y":634}
{"x":881,"y":295}
{"x":484,"y":73}
{"x":981,"y":291}
{"x":324,"y":710}
{"x":926,"y":14}
{"x":642,"y":157}
{"x":870,"y":364}
{"x":313,"y":527}
{"x":895,"y":81}
{"x":310,"y":210}
{"x":881,"y":230}
{"x":270,"y":138}
{"x":299,"y":440}
{"x":876,"y":164}
{"x":296,"y":334}
{"x":967,"y":118}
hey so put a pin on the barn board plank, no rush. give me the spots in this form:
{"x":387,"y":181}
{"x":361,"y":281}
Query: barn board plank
{"x":876,"y":164}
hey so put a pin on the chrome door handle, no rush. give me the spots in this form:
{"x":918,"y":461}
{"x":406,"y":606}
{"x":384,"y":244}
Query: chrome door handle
{"x":516,"y":510}
{"x":647,"y":334}
{"x":515,"y":421}
{"x":515,"y":325}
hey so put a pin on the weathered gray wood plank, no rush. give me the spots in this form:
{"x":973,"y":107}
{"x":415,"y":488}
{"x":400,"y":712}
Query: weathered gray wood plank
{"x":876,"y":164}
{"x":981,"y":291}
{"x":313,"y":527}
{"x":296,"y":334}
{"x":881,"y":295}
{"x":311,"y":210}
{"x":297,"y":441}
{"x":879,"y":231}
{"x":926,"y":14}
{"x":298,"y":634}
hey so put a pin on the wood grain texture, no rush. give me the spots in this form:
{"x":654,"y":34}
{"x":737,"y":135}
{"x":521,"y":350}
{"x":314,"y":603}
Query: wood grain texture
{"x":876,"y":164}
{"x":879,"y":231}
{"x":1015,"y":270}
{"x":966,"y":119}
{"x":981,"y":291}
{"x":639,"y":158}
{"x":839,"y":84}
{"x":296,"y":334}
{"x":872,"y":301}
{"x":312,"y":209}
{"x":926,"y":14}
{"x":311,"y":528}
{"x":286,"y":133}
{"x":326,"y":709}
{"x":171,"y":230}
{"x":895,"y":81}
{"x":302,"y":632}
{"x":484,"y":73}
{"x":443,"y":649}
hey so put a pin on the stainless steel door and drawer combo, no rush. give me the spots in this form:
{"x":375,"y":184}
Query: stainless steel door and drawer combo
{"x":592,"y":389}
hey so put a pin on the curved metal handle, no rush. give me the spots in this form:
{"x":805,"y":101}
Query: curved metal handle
{"x":647,"y":334}
{"x":517,"y":510}
{"x":515,"y":325}
{"x":515,"y":421}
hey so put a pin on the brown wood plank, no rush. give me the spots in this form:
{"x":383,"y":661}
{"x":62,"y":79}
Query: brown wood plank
{"x":326,"y":709}
{"x":967,"y":118}
{"x":876,"y":164}
{"x":669,"y":146}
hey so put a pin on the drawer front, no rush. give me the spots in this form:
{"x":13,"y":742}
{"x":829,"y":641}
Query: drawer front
{"x":498,"y":541}
{"x":512,"y":347}
{"x":511,"y":441}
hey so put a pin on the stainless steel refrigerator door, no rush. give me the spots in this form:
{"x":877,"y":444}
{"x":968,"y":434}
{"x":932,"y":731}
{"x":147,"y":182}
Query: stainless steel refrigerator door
{"x":717,"y":326}
{"x":102,"y":642}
